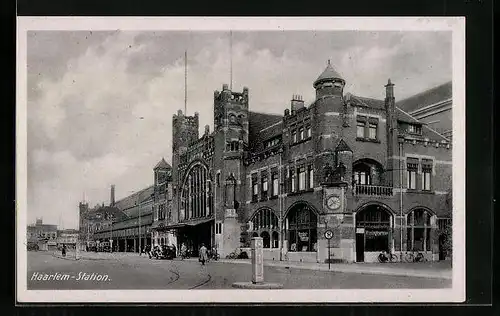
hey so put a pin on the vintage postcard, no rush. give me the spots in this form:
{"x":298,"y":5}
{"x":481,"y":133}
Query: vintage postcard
{"x":282,"y":160}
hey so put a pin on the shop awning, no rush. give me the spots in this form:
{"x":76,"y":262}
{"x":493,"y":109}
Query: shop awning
{"x":190,"y":223}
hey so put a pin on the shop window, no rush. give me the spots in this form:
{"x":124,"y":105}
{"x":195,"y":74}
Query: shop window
{"x":419,"y":230}
{"x":275,"y":240}
{"x":302,"y":229}
{"x":376,"y":222}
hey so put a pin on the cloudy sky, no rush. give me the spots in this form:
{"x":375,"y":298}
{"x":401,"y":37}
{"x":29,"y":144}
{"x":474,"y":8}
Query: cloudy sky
{"x":100,"y":104}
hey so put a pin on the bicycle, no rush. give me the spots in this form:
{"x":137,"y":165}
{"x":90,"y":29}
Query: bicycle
{"x":384,"y":257}
{"x":411,"y":257}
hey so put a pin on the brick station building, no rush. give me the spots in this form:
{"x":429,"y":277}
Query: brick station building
{"x":374,"y":175}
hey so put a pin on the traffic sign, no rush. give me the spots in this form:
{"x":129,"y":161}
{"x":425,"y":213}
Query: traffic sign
{"x":328,"y":234}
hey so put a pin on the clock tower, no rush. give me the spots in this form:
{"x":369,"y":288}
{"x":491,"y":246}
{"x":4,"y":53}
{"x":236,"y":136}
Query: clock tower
{"x":336,"y":218}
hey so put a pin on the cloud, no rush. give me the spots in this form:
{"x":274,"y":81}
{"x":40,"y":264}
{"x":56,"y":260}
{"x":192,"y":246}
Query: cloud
{"x":101,"y":114}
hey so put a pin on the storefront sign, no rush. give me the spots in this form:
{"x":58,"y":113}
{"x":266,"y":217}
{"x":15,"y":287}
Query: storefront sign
{"x":376,"y":233}
{"x":303,"y":236}
{"x":360,"y":230}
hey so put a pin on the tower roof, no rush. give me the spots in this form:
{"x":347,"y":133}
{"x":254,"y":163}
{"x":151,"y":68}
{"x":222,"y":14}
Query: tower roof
{"x":162,"y":165}
{"x":328,"y":74}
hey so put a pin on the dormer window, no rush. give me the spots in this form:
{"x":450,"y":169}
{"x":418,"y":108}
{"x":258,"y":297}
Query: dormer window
{"x":415,"y":129}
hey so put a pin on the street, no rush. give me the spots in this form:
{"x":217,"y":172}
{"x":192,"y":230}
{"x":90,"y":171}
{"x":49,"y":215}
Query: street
{"x":45,"y":271}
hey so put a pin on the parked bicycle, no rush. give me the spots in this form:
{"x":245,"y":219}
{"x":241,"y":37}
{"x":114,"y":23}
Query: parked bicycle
{"x":385,"y":256}
{"x":214,"y":255}
{"x":411,"y":257}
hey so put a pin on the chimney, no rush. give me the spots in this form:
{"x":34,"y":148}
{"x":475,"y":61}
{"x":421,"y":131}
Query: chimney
{"x":389,"y":90}
{"x":112,"y":199}
{"x":297,"y":102}
{"x":207,"y":129}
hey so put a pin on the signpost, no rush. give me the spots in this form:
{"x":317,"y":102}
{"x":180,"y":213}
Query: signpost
{"x":328,"y":236}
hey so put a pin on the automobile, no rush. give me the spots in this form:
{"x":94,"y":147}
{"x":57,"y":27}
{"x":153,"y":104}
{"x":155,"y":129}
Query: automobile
{"x":164,"y":252}
{"x":33,"y":247}
{"x":104,"y":247}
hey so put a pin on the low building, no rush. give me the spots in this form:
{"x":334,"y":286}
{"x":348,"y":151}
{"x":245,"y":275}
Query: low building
{"x":67,"y":237}
{"x":43,"y":235}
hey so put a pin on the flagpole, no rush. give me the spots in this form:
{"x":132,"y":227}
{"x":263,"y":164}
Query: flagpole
{"x":185,"y":82}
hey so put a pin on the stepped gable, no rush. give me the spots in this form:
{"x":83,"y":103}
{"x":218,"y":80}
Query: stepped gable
{"x":428,"y":97}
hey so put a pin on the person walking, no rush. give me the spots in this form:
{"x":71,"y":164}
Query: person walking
{"x":183,"y":251}
{"x":64,"y":251}
{"x":203,"y":254}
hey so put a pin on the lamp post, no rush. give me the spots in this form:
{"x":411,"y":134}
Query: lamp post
{"x":401,"y":200}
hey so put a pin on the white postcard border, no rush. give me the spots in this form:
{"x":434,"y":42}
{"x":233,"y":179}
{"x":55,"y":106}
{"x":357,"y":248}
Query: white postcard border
{"x":454,"y":24}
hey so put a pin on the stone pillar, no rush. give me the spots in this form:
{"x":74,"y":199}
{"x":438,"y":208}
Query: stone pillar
{"x":257,"y":260}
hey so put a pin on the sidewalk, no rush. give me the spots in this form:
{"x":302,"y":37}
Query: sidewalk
{"x":440,"y":270}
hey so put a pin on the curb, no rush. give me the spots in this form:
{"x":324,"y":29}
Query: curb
{"x":422,"y":274}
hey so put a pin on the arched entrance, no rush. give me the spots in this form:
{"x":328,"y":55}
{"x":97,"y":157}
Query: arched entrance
{"x":373,"y":232}
{"x":301,"y":228}
{"x":264,"y":223}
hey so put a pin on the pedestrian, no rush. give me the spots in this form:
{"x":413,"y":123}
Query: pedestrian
{"x":64,"y":251}
{"x":183,"y":251}
{"x":203,"y":254}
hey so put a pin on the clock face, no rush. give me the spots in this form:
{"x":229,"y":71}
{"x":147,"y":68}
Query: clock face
{"x":333,"y":202}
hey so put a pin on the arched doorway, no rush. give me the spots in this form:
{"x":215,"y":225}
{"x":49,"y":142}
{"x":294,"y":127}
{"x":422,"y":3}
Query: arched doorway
{"x":418,"y":230}
{"x":264,"y":223}
{"x":266,"y":239}
{"x":373,"y":232}
{"x":301,"y":228}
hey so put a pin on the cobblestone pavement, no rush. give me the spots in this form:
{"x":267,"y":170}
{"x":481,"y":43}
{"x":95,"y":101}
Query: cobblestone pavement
{"x":131,"y":271}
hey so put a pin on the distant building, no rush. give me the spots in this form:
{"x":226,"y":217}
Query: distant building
{"x":44,"y":235}
{"x":120,"y":221}
{"x":67,"y":237}
{"x":432,"y":107}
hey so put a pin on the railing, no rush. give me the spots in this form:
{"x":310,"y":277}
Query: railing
{"x":374,"y":190}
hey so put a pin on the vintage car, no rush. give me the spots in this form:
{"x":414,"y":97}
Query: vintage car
{"x":163,"y":252}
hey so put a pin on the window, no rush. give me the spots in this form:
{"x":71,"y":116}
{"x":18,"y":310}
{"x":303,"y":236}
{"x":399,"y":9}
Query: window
{"x":301,"y":229}
{"x":310,"y":170}
{"x":255,"y":188}
{"x":301,"y":133}
{"x":419,"y":230}
{"x":411,"y":173}
{"x":372,"y":131}
{"x":218,"y":228}
{"x":292,"y":180}
{"x":232,"y":146}
{"x":294,"y":136}
{"x":275,"y":184}
{"x":360,"y":129}
{"x":302,"y":178}
{"x":426,"y":174}
{"x":264,"y":185}
{"x":414,"y":129}
{"x":217,"y":179}
{"x":308,"y":131}
{"x":264,"y":223}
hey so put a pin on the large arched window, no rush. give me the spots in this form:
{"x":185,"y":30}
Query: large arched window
{"x":375,"y":221}
{"x":264,"y":223}
{"x":419,"y":230}
{"x":302,"y":228}
{"x":196,"y":199}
